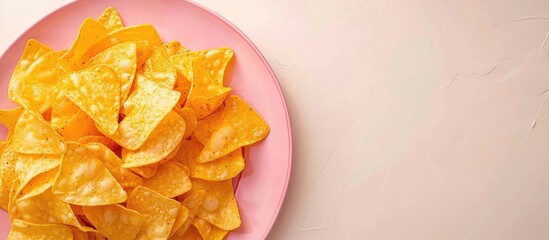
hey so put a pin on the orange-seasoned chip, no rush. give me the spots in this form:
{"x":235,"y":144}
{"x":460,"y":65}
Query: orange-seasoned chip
{"x":78,"y":234}
{"x":115,"y":221}
{"x":83,"y":179}
{"x":62,"y":111}
{"x":145,"y":35}
{"x":145,"y":108}
{"x":45,"y":208}
{"x":28,"y":166}
{"x":9,"y":117}
{"x":219,"y":207}
{"x":122,"y":59}
{"x":214,"y":61}
{"x":159,"y":68}
{"x":220,"y":169}
{"x":162,"y":141}
{"x":79,"y":126}
{"x":160,"y":212}
{"x":190,"y":120}
{"x":31,"y":231}
{"x":124,"y":176}
{"x":110,"y":19}
{"x":38,"y":185}
{"x":145,"y":171}
{"x":95,"y":90}
{"x":206,"y":126}
{"x":191,"y":234}
{"x":107,"y":142}
{"x":205,"y":95}
{"x":34,"y":86}
{"x":174,"y":48}
{"x":208,"y":231}
{"x":33,"y":135}
{"x":181,"y":218}
{"x":33,"y":51}
{"x":240,"y":126}
{"x":192,"y":202}
{"x":90,"y":33}
{"x":169,"y":180}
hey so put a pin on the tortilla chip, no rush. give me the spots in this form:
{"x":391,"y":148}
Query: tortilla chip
{"x":110,"y":19}
{"x":208,"y":231}
{"x":28,"y":166}
{"x":95,"y":90}
{"x":162,"y":141}
{"x":62,"y":111}
{"x":224,"y":168}
{"x":83,"y":179}
{"x":205,"y":95}
{"x":159,"y":68}
{"x":81,"y":125}
{"x":174,"y":48}
{"x":31,"y":231}
{"x":38,"y":184}
{"x":122,"y":59}
{"x":169,"y":180}
{"x":115,"y":221}
{"x":192,"y":202}
{"x":90,"y":33}
{"x":207,"y":126}
{"x":35,"y":86}
{"x":190,"y":120}
{"x":145,"y":171}
{"x":9,"y":117}
{"x":145,"y":108}
{"x":124,"y":176}
{"x":214,"y":61}
{"x":160,"y":212}
{"x":240,"y":126}
{"x":219,"y":207}
{"x":33,"y":135}
{"x":105,"y":141}
{"x":46,"y":208}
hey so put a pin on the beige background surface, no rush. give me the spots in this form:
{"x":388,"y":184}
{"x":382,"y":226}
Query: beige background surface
{"x":412,"y":119}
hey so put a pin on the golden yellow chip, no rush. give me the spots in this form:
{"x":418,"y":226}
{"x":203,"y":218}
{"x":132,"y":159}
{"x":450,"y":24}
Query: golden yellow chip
{"x":28,"y":166}
{"x":9,"y":117}
{"x":190,"y":234}
{"x":145,"y":171}
{"x":33,"y":135}
{"x":159,"y":68}
{"x":122,"y":59}
{"x":110,"y":19}
{"x":160,"y":212}
{"x":145,"y":108}
{"x":7,"y":172}
{"x":214,"y":61}
{"x":192,"y":202}
{"x":219,"y":207}
{"x":174,"y":48}
{"x":62,"y":111}
{"x":95,"y":90}
{"x":240,"y":126}
{"x":31,"y":231}
{"x":190,"y":120}
{"x":107,"y":142}
{"x":169,"y":180}
{"x":181,"y":218}
{"x":38,"y":185}
{"x":79,"y":126}
{"x":90,"y":33}
{"x":184,"y":90}
{"x":206,"y":126}
{"x":145,"y":35}
{"x":13,"y":211}
{"x":223,"y":168}
{"x":34,"y":85}
{"x":205,"y":95}
{"x":162,"y":141}
{"x":124,"y":176}
{"x":83,"y":179}
{"x":208,"y":231}
{"x":115,"y":221}
{"x":185,"y":168}
{"x":46,"y":208}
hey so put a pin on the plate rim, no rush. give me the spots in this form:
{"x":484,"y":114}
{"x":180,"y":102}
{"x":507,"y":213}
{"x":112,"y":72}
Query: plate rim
{"x":257,"y":52}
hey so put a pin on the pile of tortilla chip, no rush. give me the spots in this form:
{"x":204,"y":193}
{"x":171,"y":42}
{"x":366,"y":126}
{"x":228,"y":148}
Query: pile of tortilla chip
{"x":123,"y":136}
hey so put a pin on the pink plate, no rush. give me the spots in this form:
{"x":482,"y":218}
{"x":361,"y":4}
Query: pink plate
{"x":263,"y":183}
